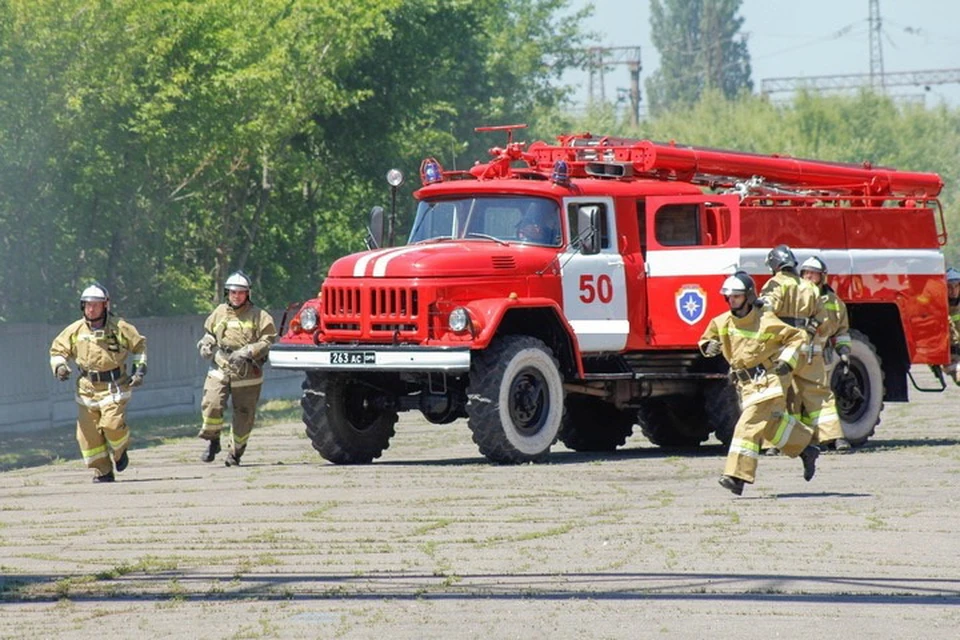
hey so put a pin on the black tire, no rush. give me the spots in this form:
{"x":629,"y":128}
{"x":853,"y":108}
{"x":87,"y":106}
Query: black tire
{"x":674,"y":421}
{"x":723,"y":409}
{"x":515,"y":400}
{"x":348,"y":420}
{"x":860,"y":392}
{"x":592,"y":424}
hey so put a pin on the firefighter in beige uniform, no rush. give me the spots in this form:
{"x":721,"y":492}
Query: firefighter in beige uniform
{"x":833,"y":335}
{"x":100,"y":345}
{"x":797,"y":302}
{"x":237,"y":339}
{"x":953,"y":300}
{"x":761,"y":351}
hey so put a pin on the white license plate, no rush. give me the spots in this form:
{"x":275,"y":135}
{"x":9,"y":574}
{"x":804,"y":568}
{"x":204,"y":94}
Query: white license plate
{"x":353,"y":357}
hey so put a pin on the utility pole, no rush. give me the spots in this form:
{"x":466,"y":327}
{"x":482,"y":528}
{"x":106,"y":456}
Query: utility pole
{"x":876,"y":47}
{"x":599,"y":59}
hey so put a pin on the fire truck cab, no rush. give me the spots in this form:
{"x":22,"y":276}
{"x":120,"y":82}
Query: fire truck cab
{"x":558,"y":292}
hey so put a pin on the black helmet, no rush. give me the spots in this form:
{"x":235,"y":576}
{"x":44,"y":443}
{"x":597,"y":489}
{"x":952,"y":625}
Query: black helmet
{"x":781,"y":257}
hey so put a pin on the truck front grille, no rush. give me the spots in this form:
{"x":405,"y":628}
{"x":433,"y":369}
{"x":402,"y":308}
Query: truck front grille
{"x":361,"y":311}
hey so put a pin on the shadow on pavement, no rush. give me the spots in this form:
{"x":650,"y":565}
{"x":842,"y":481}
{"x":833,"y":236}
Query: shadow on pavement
{"x":770,"y":588}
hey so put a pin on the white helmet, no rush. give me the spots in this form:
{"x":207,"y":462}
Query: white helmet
{"x":813,"y":263}
{"x":739,"y":283}
{"x":96,"y":292}
{"x":238,"y":281}
{"x":952,"y":275}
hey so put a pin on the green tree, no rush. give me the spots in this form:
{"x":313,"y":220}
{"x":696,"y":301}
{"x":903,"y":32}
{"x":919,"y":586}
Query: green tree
{"x":701,"y":49}
{"x":158,"y":146}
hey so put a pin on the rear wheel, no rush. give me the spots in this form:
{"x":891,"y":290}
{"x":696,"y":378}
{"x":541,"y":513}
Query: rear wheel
{"x":723,"y":409}
{"x":349,"y":419}
{"x":674,"y":421}
{"x":592,"y":424}
{"x":859,"y":391}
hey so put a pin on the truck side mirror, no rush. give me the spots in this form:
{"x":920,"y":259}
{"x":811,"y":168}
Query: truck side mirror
{"x":589,"y":237}
{"x":374,"y":238}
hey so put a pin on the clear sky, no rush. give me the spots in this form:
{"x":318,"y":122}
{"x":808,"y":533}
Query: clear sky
{"x":789,"y":38}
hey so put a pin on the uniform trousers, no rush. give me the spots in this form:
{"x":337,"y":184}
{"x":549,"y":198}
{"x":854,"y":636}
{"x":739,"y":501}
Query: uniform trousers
{"x":764,"y":416}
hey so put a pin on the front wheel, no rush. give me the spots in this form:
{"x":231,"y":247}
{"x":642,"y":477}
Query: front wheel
{"x":515,"y":400}
{"x":349,"y":418}
{"x":859,"y":391}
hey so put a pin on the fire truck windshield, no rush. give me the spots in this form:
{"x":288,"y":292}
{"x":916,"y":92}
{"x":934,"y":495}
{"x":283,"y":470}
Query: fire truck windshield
{"x":524,"y":219}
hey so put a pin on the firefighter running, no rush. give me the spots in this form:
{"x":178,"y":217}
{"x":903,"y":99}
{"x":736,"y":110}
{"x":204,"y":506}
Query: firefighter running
{"x":797,"y":303}
{"x":953,"y":301}
{"x":833,"y":335}
{"x":237,"y":339}
{"x":100,"y":345}
{"x":762,"y":352}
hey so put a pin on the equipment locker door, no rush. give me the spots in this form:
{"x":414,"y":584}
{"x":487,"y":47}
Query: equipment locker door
{"x":692,"y":245}
{"x":594,"y":288}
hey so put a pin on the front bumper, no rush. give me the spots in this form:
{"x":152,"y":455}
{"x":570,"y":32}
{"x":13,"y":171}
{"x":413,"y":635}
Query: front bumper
{"x":370,"y":358}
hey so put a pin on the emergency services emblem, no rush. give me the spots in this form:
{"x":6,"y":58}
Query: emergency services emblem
{"x":691,"y":303}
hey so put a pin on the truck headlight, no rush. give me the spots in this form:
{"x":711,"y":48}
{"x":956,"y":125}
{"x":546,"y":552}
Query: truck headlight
{"x":458,"y":320}
{"x":308,"y":318}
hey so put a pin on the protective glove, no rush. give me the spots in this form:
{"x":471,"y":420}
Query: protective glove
{"x":138,"y":374}
{"x":62,"y":372}
{"x":241,"y":355}
{"x":206,"y":346}
{"x":811,"y":326}
{"x":782,"y":368}
{"x":711,"y":348}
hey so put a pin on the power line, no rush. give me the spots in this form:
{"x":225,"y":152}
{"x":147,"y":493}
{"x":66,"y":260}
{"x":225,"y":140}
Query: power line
{"x":857,"y":80}
{"x":877,"y":78}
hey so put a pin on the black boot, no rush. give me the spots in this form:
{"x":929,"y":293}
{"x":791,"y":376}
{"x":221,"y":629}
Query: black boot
{"x":213,"y":448}
{"x":122,"y":462}
{"x":842,"y":445}
{"x":107,"y":477}
{"x":233,"y":458}
{"x":809,"y":457}
{"x":734,"y":485}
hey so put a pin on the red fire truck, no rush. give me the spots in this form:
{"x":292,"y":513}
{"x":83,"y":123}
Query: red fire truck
{"x":587,"y":326}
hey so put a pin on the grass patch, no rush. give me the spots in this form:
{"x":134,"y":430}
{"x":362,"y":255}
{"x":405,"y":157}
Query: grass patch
{"x":59,"y":444}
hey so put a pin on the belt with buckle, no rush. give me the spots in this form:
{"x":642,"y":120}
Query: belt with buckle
{"x":103,"y":376}
{"x":746,"y":375}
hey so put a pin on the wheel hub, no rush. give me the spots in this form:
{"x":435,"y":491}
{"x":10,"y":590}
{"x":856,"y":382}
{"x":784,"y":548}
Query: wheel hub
{"x":853,"y":396}
{"x":528,"y":400}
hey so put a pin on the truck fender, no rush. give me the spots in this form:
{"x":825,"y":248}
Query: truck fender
{"x":490,"y":314}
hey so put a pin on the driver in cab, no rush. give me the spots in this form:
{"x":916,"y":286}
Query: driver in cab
{"x":538,"y":225}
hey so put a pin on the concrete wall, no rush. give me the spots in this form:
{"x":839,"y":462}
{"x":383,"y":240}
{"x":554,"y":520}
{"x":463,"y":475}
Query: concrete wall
{"x":31,"y":398}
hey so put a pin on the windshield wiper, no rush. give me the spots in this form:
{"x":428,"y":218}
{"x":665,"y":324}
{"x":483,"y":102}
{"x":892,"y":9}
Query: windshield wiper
{"x":434,"y":239}
{"x":485,"y":236}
